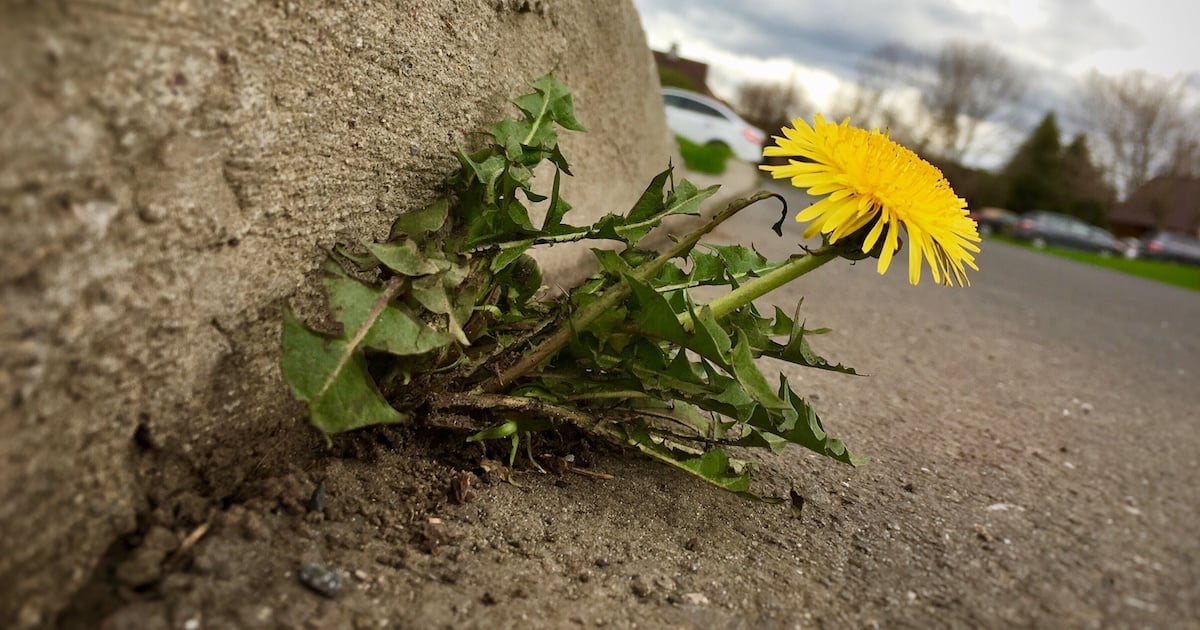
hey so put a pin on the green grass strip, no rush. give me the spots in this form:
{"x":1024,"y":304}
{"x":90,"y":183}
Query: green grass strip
{"x":1175,"y":274}
{"x":704,"y":158}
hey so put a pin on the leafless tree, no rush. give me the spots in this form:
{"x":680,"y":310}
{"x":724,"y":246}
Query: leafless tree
{"x":1138,"y":121}
{"x":1185,"y":150}
{"x":934,"y":103}
{"x":972,"y":84}
{"x":771,"y":105}
{"x":883,"y":93}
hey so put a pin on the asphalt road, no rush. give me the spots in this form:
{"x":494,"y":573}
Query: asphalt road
{"x":1049,"y":413}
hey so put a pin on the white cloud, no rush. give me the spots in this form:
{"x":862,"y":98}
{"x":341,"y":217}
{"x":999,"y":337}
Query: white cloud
{"x":821,"y":44}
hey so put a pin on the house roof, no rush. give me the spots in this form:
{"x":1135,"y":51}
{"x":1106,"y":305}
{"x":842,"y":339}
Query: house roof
{"x":696,"y":71}
{"x":1171,"y":203}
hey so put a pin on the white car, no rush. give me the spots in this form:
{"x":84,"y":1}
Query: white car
{"x":704,"y":120}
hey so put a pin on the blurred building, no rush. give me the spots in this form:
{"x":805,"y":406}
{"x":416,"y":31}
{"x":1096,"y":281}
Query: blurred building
{"x":681,"y":72}
{"x":1163,"y":203}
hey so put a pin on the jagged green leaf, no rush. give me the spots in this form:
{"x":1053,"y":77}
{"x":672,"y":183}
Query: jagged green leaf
{"x":551,"y":101}
{"x":373,"y":323}
{"x":518,"y":217}
{"x":710,"y":339}
{"x":732,"y":400}
{"x":798,"y":351}
{"x":650,"y":203}
{"x":557,"y":159}
{"x":751,"y":378}
{"x":520,"y":280}
{"x":611,"y":262}
{"x":511,"y":134}
{"x":420,"y":222}
{"x":713,"y":466}
{"x":487,"y":170}
{"x":431,"y":292}
{"x":649,"y":211}
{"x":330,"y":374}
{"x":363,"y":259}
{"x":686,"y":198}
{"x":509,"y":254}
{"x":808,"y":431}
{"x":403,"y":257}
{"x":557,"y":208}
{"x":740,"y":260}
{"x":654,"y":315}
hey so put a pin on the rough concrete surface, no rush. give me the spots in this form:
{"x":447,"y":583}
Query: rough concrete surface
{"x":169,"y":174}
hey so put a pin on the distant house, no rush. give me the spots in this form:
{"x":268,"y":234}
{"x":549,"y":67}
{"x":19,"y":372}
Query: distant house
{"x":681,"y":72}
{"x":1163,"y":203}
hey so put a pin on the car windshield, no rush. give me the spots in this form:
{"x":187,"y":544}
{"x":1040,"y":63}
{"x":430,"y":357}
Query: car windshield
{"x":694,"y":105}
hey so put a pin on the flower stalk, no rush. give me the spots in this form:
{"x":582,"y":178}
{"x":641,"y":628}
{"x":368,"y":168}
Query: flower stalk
{"x":774,"y":279}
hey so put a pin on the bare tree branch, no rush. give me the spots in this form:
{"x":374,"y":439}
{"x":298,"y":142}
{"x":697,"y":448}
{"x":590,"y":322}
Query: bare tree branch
{"x":882,"y":95}
{"x":974,"y":83}
{"x":1138,"y":122}
{"x":934,"y":103}
{"x":771,"y":105}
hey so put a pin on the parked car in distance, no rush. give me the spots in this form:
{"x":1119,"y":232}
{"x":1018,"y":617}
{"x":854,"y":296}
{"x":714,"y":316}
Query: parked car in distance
{"x":994,"y":220}
{"x":706,"y":121}
{"x":1042,"y":228}
{"x":1170,"y":246}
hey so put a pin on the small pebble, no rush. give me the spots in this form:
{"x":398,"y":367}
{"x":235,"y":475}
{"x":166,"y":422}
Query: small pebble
{"x":318,"y":499}
{"x":322,"y":580}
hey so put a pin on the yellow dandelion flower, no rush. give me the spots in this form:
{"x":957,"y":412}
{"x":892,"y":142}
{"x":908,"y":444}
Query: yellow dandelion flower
{"x":871,"y":181}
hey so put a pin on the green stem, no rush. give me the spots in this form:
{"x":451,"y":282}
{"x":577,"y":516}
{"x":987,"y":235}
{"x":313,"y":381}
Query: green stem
{"x":763,"y":285}
{"x":611,"y":297}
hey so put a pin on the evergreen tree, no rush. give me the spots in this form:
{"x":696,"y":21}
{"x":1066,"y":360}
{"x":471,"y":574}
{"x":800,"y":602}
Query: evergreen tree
{"x":1085,"y":193}
{"x":1035,"y":172}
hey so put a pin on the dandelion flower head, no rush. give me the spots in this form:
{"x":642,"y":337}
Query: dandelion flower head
{"x":869,"y":180}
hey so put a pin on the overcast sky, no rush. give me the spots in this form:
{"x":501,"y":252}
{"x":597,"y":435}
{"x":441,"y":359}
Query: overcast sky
{"x":821,"y":43}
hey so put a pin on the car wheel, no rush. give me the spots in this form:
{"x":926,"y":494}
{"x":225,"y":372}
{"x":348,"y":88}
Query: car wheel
{"x":1104,"y":253}
{"x":1039,"y":242}
{"x":985,"y":230}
